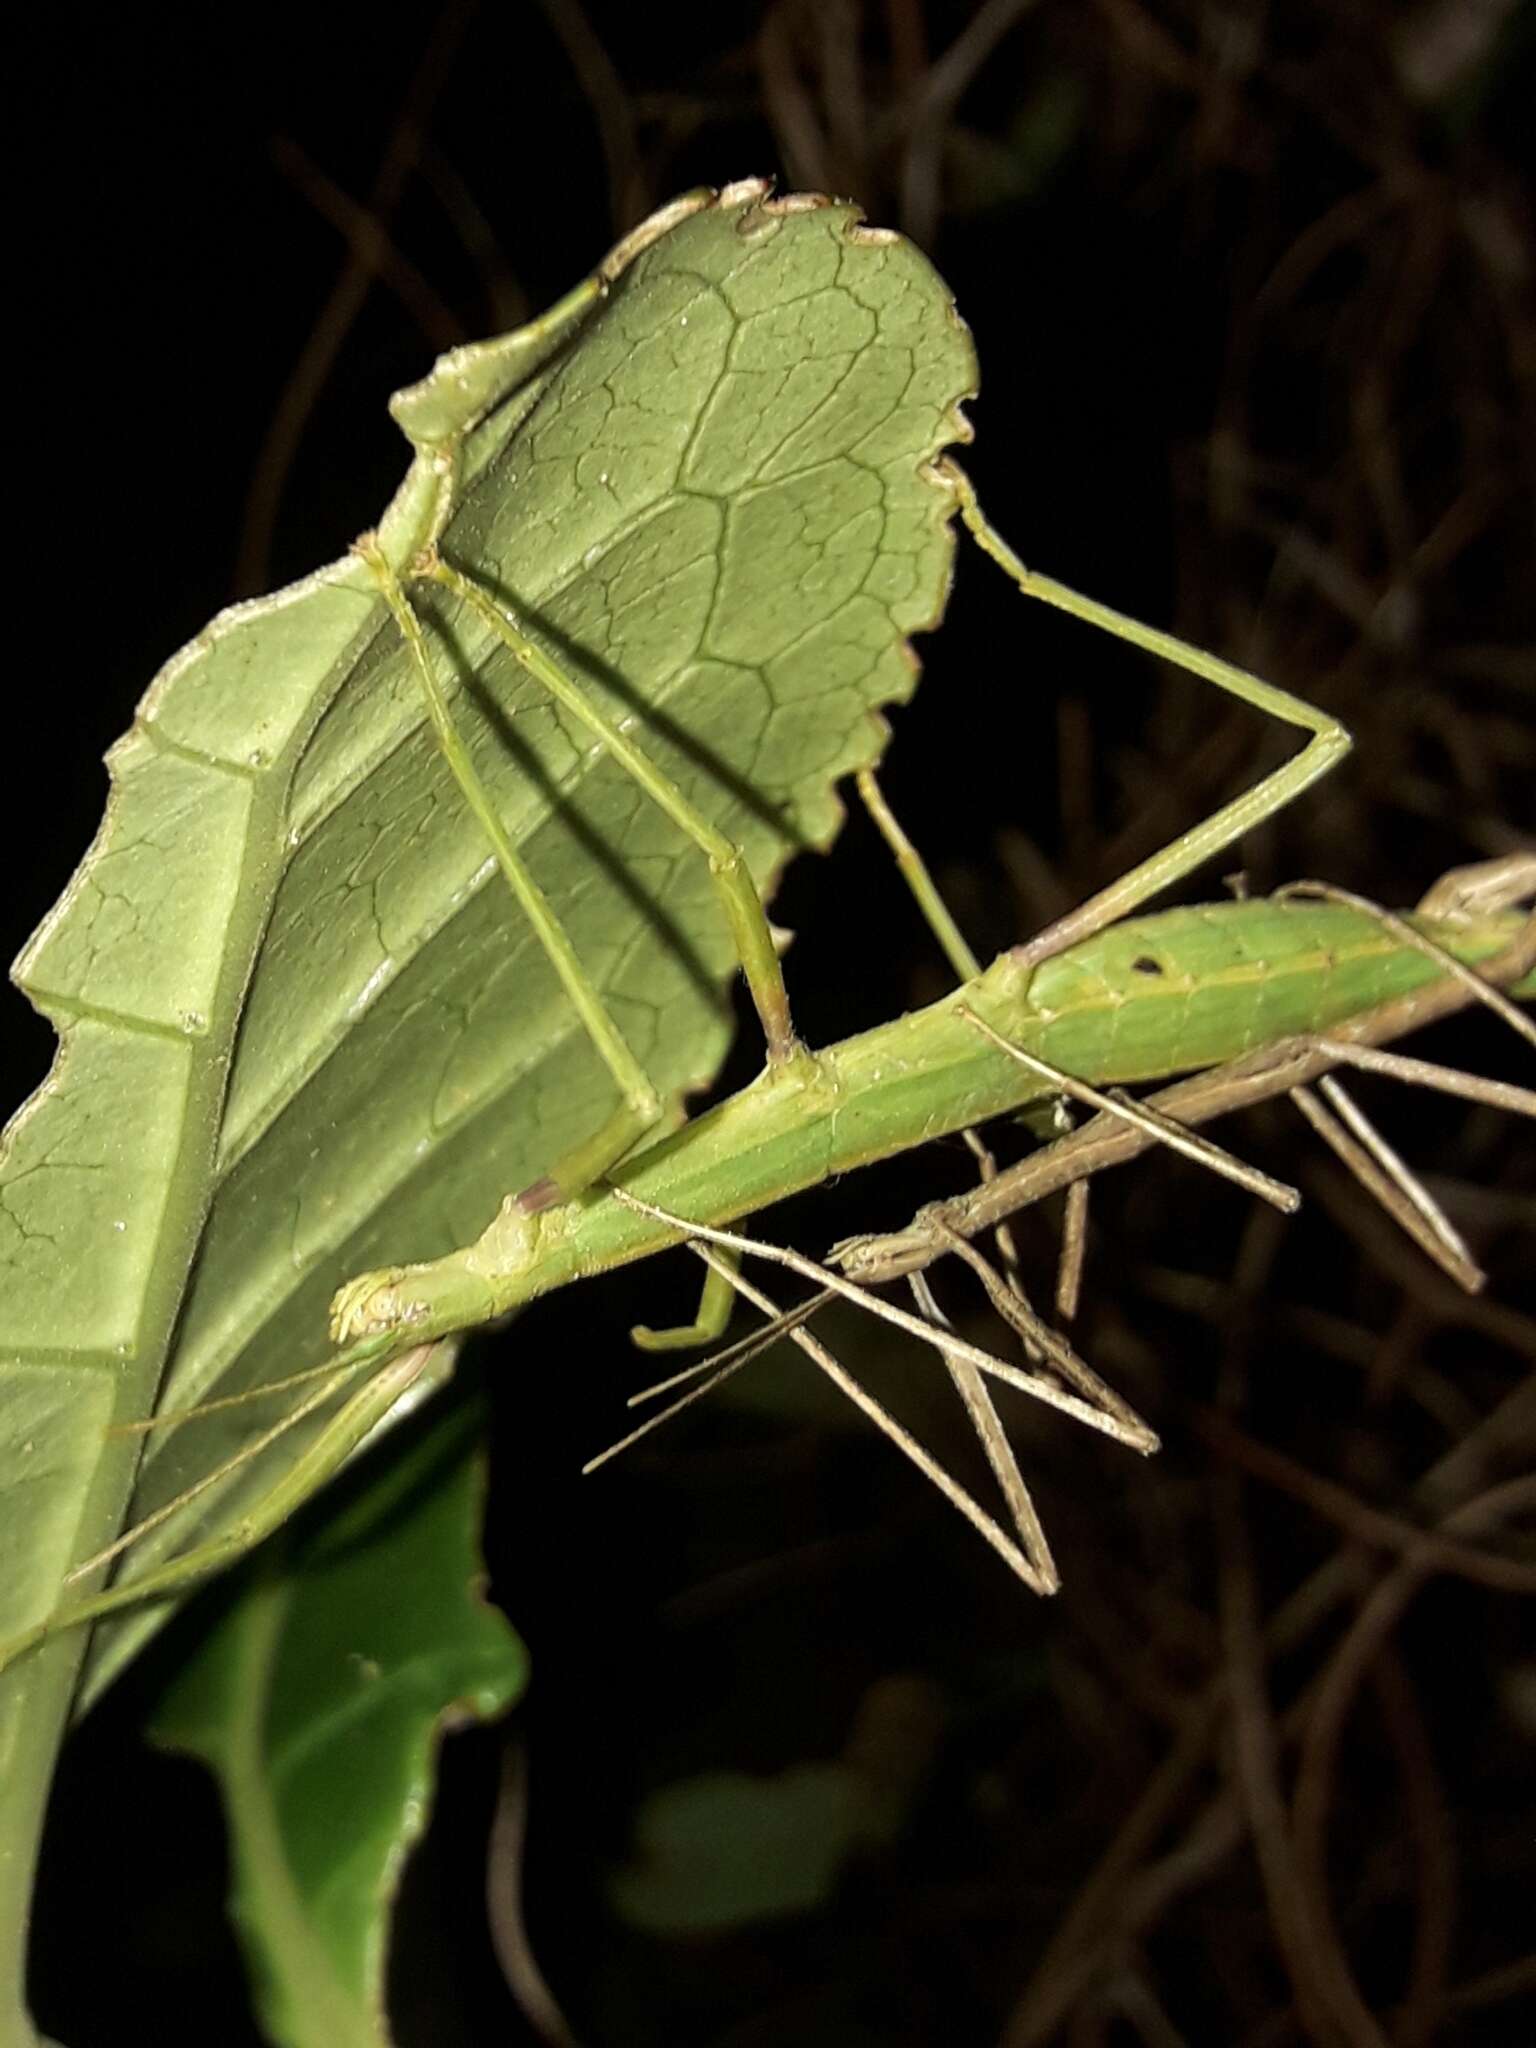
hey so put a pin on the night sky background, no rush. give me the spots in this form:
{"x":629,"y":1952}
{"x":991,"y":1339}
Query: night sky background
{"x":1253,"y":294}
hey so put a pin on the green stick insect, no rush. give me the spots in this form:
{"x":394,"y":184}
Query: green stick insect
{"x":1108,"y":996}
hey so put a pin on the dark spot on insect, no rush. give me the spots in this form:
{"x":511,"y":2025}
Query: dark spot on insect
{"x":1145,"y":964}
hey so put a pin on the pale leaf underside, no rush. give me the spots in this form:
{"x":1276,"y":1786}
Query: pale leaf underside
{"x":704,"y":484}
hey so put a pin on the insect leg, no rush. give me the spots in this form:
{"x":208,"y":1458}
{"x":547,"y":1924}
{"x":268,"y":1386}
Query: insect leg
{"x":1328,"y":743}
{"x":753,"y":935}
{"x":640,"y":1105}
{"x":716,"y":1300}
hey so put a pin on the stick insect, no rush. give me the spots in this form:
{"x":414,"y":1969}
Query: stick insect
{"x":1108,"y":995}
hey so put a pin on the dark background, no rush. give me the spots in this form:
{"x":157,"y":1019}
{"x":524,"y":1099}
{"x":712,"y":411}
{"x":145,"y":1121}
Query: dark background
{"x":1252,"y":289}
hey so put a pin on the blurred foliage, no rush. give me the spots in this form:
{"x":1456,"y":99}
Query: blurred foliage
{"x":318,"y":1698}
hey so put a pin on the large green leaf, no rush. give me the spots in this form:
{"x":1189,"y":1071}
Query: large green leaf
{"x":318,"y":1699}
{"x":302,"y":1030}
